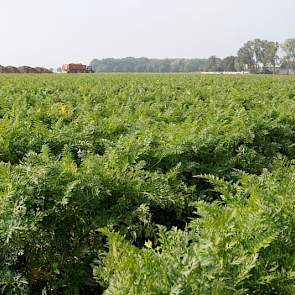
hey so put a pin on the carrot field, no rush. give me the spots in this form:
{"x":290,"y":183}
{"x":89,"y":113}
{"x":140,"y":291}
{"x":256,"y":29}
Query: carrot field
{"x":147,"y":184}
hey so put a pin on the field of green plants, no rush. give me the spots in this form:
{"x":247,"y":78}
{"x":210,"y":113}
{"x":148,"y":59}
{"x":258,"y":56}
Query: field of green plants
{"x":147,"y":184}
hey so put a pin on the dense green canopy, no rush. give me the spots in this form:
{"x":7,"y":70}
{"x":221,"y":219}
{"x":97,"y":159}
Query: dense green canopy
{"x":161,"y":184}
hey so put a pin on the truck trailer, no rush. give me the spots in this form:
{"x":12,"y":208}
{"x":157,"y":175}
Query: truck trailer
{"x":76,"y":68}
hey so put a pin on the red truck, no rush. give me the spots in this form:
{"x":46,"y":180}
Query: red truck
{"x":74,"y":68}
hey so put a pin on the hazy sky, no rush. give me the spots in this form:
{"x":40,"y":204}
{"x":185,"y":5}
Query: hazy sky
{"x":52,"y":32}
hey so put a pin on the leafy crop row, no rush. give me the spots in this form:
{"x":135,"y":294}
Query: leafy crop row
{"x":160,"y":184}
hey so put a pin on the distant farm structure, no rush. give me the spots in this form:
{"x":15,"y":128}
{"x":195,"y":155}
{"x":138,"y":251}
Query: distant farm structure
{"x":76,"y":68}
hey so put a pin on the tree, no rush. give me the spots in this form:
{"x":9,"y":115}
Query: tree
{"x":213,"y":64}
{"x":238,"y":65}
{"x":246,"y":55}
{"x":289,"y":48}
{"x":228,"y":64}
{"x":259,"y":54}
{"x":265,"y":54}
{"x":271,"y":54}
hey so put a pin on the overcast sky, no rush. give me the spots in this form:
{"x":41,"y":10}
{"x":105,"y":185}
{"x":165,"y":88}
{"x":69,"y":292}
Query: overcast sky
{"x":52,"y":32}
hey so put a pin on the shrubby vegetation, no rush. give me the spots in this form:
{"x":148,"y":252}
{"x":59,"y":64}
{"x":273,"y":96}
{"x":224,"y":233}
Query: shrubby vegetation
{"x":146,"y":184}
{"x":242,"y":244}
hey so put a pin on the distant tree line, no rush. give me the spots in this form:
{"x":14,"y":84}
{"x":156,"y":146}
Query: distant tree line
{"x":131,"y":64}
{"x":258,"y":56}
{"x":177,"y":65}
